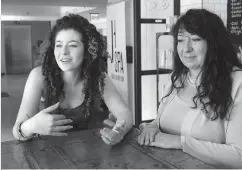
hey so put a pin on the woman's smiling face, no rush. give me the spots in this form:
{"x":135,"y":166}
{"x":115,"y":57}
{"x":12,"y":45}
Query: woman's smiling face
{"x":192,"y":50}
{"x":69,"y":50}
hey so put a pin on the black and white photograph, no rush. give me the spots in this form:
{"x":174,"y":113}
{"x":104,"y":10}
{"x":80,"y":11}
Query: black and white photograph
{"x":121,"y":84}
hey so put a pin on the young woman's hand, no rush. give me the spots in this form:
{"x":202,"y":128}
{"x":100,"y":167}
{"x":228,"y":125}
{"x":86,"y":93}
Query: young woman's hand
{"x":148,"y":134}
{"x":45,"y":123}
{"x":115,"y":135}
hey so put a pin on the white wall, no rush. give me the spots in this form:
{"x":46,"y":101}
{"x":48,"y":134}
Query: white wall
{"x":86,"y":3}
{"x":101,"y":27}
{"x":30,"y":10}
{"x":100,"y":11}
{"x":129,"y":36}
{"x":117,"y":68}
{"x":217,"y":6}
{"x":130,"y":42}
{"x":188,"y":4}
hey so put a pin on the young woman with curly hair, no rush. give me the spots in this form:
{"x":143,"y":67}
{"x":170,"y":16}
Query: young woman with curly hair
{"x":201,"y":112}
{"x":70,"y":85}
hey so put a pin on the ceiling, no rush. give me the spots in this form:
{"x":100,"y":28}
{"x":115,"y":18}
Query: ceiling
{"x":50,"y":9}
{"x":89,"y":3}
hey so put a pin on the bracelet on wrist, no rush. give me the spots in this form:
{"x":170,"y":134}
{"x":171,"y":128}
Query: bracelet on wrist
{"x":20,"y":133}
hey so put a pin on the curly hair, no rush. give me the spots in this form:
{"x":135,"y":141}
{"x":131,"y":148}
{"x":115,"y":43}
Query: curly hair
{"x":221,"y":57}
{"x":94,"y":64}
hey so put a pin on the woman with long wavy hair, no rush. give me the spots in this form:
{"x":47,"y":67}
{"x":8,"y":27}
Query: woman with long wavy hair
{"x":201,"y":112}
{"x":71,"y":83}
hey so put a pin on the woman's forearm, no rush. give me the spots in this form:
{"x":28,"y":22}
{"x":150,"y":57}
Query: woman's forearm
{"x":129,"y":122}
{"x":124,"y":120}
{"x":176,"y":141}
{"x":216,"y":154}
{"x":128,"y":127}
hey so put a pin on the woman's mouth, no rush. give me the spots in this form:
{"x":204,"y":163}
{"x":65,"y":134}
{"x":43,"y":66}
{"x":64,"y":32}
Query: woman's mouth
{"x":192,"y":56}
{"x":189,"y":57}
{"x":65,"y":60}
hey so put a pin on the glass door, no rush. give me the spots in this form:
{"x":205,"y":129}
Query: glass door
{"x":150,"y":31}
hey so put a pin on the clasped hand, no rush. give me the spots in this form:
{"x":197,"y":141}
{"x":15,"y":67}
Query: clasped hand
{"x":45,"y":123}
{"x":148,"y":134}
{"x":151,"y":136}
{"x":115,"y":135}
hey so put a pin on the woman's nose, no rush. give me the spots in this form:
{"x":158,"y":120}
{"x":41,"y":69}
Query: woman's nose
{"x":188,"y":46}
{"x":64,"y":50}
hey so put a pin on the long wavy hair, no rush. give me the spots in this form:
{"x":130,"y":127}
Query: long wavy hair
{"x":93,"y":69}
{"x":221,"y":57}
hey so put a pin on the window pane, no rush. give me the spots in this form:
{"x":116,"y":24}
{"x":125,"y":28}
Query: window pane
{"x":149,"y":97}
{"x":149,"y":94}
{"x":164,"y":79}
{"x":156,"y":8}
{"x":148,"y":44}
{"x":165,"y":51}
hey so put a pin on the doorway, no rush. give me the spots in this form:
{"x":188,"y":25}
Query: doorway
{"x":18,"y":53}
{"x":147,"y":26}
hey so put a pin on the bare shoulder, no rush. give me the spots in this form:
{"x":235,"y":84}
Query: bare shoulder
{"x":37,"y":71}
{"x":36,"y":77}
{"x":237,"y":70}
{"x":237,"y":75}
{"x":237,"y":84}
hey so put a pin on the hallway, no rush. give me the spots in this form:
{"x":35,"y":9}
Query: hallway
{"x":13,"y":85}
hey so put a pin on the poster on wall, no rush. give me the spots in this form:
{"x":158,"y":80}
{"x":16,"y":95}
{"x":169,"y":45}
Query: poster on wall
{"x":116,"y":41}
{"x":234,"y":24}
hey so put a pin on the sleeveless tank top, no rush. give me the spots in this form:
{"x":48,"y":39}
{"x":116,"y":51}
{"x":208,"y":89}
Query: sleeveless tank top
{"x":75,"y":114}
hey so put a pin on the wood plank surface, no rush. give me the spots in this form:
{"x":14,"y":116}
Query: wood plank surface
{"x":85,"y":149}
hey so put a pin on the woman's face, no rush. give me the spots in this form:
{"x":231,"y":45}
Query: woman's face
{"x":192,"y":50}
{"x":69,"y":50}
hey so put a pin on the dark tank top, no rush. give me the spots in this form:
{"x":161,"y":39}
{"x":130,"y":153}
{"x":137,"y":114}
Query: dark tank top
{"x":76,"y":115}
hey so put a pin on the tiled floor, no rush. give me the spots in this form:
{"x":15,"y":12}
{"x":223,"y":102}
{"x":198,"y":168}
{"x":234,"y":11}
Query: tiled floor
{"x":14,"y":86}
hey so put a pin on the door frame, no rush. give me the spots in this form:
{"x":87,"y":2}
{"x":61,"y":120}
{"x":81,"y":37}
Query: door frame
{"x":6,"y":26}
{"x":138,"y":73}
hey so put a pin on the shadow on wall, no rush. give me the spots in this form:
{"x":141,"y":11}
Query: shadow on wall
{"x":4,"y":94}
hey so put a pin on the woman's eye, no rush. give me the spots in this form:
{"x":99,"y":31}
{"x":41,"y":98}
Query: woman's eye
{"x":196,"y":39}
{"x":180,"y":40}
{"x":58,"y":45}
{"x":73,"y":45}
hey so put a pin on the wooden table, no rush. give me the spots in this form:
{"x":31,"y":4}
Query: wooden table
{"x":85,"y":149}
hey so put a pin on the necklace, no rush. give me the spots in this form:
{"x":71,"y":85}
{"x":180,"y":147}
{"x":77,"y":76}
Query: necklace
{"x":191,"y":81}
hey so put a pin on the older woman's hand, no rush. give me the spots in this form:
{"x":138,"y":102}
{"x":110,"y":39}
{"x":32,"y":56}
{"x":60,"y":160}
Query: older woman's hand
{"x":167,"y":141}
{"x":148,"y":133}
{"x":115,"y":135}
